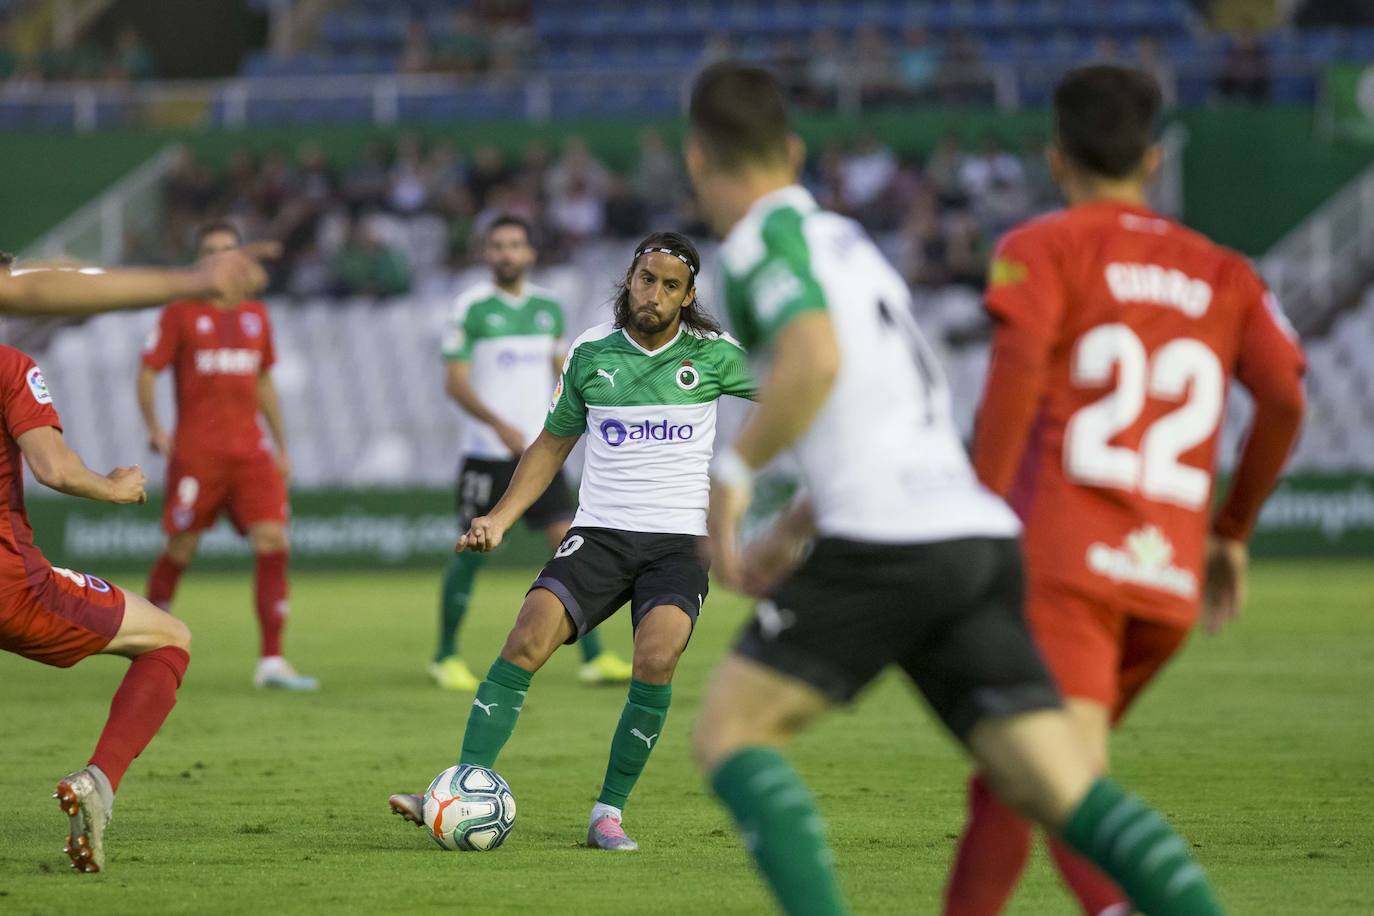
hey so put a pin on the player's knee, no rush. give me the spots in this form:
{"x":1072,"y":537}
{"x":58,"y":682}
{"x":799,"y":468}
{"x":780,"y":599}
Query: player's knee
{"x":182,"y":549}
{"x":655,"y":664}
{"x":178,"y":634}
{"x":269,"y":539}
{"x":526,"y":647}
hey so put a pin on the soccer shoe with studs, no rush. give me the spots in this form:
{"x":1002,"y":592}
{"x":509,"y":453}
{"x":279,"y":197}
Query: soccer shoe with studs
{"x":78,"y":795}
{"x":277,"y":672}
{"x":606,"y":833}
{"x":452,"y":673}
{"x":606,"y":669}
{"x":409,"y":806}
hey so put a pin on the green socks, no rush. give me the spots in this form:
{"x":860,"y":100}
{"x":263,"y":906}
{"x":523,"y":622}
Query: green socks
{"x":641,"y":723}
{"x":590,"y":645}
{"x":778,"y":820}
{"x":494,"y":712}
{"x":1142,"y":853}
{"x":453,"y":599}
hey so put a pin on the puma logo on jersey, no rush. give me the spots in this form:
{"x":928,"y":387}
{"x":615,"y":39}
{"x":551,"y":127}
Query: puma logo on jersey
{"x":608,"y":376}
{"x":485,"y":707}
{"x":647,"y":739}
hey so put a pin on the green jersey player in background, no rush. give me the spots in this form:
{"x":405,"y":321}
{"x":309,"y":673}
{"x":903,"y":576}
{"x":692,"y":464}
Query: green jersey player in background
{"x":643,"y":389}
{"x":914,"y":564}
{"x":503,"y":348}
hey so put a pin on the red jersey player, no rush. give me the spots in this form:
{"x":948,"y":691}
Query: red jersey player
{"x":221,"y":355}
{"x":1117,"y":333}
{"x":56,"y":616}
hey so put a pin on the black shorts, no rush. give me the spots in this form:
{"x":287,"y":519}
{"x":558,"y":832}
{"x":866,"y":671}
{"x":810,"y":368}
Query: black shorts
{"x":481,"y":481}
{"x":597,"y":570}
{"x":949,"y":614}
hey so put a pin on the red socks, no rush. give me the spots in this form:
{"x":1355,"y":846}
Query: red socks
{"x":271,"y":600}
{"x":991,"y":856}
{"x":140,"y":706}
{"x":1094,"y":890}
{"x":993,"y":853}
{"x":162,"y":581}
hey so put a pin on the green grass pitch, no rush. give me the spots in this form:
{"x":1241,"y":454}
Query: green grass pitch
{"x":1259,"y":745}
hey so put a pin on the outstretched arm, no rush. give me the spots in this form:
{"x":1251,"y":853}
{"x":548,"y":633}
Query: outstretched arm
{"x":58,"y":467}
{"x":232,"y":274}
{"x":537,"y":468}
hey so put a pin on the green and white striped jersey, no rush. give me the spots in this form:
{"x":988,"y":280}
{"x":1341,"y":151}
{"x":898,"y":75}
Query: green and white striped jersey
{"x":512,"y":344}
{"x":650,"y":420}
{"x":882,"y":461}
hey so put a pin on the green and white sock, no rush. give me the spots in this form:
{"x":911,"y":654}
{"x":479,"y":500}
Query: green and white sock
{"x":781,"y":828}
{"x":454,"y":595}
{"x":494,"y":712}
{"x":590,"y":645}
{"x":641,"y":723}
{"x":1142,"y":853}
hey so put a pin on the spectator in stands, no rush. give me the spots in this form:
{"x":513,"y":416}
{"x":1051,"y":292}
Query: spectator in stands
{"x":942,"y":171}
{"x":918,"y":62}
{"x":1043,"y":193}
{"x":790,"y":64}
{"x":1149,"y":56}
{"x":131,"y":59}
{"x":319,"y":182}
{"x":1106,"y":50}
{"x":367,"y":266}
{"x":1245,"y":75}
{"x":365,"y":184}
{"x":408,"y":185}
{"x":577,"y":211}
{"x":576,"y":165}
{"x":992,"y":164}
{"x":416,"y":56}
{"x":462,"y":48}
{"x":657,"y":179}
{"x":963,"y":78}
{"x":827,"y":68}
{"x":719,"y":46}
{"x":488,"y":170}
{"x":445,"y":176}
{"x":866,"y":173}
{"x":626,"y":216}
{"x":875,"y":67}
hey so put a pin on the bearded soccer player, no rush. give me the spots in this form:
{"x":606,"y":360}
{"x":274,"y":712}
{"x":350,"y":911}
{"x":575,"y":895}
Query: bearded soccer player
{"x":1117,"y":332}
{"x":59,"y":617}
{"x":643,"y":388}
{"x":221,"y":355}
{"x":915,"y":565}
{"x":503,"y":349}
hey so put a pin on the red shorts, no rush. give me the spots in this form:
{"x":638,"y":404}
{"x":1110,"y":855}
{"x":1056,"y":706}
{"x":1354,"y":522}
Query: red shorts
{"x":249,"y":488}
{"x":1099,"y":650}
{"x":68,"y":617}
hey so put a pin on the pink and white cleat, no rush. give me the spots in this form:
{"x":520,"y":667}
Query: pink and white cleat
{"x":409,"y":806}
{"x":606,"y":833}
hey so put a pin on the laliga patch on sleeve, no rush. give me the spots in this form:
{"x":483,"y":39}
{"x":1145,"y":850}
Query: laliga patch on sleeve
{"x":557,"y":393}
{"x":452,"y":341}
{"x":1006,"y":272}
{"x":38,"y":387}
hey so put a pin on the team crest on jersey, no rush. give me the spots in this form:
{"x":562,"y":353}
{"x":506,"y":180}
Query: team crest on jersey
{"x":495,"y":321}
{"x":38,"y":387}
{"x":251,"y":324}
{"x":544,"y":321}
{"x":687,"y":376}
{"x":1145,"y":559}
{"x":205,"y":325}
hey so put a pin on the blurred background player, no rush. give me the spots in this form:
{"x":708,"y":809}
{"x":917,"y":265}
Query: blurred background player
{"x":644,"y":388}
{"x":59,"y":617}
{"x":504,"y":349}
{"x":1117,"y":333}
{"x":218,"y":460}
{"x":915,"y":564}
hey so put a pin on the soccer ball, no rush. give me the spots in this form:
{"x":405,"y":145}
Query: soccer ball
{"x":470,"y":808}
